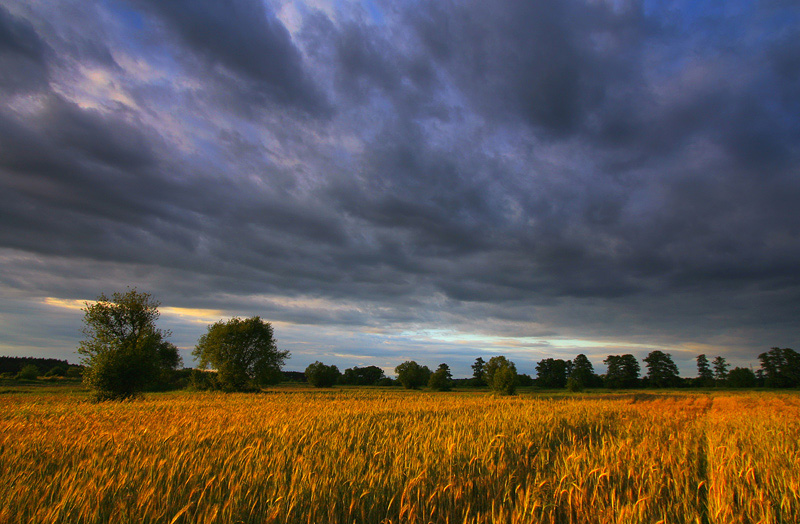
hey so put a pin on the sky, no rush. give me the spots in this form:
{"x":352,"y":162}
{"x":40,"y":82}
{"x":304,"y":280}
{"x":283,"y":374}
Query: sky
{"x":406,"y":180}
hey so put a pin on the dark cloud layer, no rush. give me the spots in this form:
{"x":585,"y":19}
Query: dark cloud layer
{"x":553,"y":170}
{"x":243,"y":37}
{"x":22,"y":55}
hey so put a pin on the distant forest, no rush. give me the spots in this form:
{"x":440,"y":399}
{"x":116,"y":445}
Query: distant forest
{"x":15,"y":364}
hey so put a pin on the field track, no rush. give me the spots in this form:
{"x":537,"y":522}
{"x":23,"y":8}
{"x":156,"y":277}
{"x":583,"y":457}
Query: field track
{"x":373,"y":455}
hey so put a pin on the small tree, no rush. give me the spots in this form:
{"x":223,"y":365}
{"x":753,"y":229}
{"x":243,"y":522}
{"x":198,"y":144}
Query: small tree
{"x":661,"y":370}
{"x":501,"y":375}
{"x":412,"y":375}
{"x":705,"y":376}
{"x":720,"y":370}
{"x":441,"y":379}
{"x":244,"y":353}
{"x":321,"y":376}
{"x":477,"y":372}
{"x":123,"y":351}
{"x":574,"y":385}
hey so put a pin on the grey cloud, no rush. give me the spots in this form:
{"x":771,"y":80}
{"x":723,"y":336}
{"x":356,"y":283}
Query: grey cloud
{"x":245,"y":38}
{"x":22,"y":55}
{"x":533,"y":60}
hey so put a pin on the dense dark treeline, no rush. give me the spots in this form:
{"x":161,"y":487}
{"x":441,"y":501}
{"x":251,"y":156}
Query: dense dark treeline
{"x":780,"y":368}
{"x":14,"y":365}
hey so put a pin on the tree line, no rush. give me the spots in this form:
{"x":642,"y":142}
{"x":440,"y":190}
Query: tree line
{"x":28,"y":368}
{"x":125,"y":353}
{"x":780,"y":368}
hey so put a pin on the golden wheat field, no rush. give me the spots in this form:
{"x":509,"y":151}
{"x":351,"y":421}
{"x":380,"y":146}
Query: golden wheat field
{"x":390,"y":456}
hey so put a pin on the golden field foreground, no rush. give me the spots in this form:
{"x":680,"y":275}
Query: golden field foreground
{"x":375,"y":455}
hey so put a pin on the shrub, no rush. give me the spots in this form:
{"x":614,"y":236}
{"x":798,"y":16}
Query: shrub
{"x":574,"y":385}
{"x":29,"y":372}
{"x":412,"y":375}
{"x":57,"y":371}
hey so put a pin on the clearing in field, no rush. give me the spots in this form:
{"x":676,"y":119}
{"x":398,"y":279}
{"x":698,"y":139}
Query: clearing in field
{"x":370,"y":456}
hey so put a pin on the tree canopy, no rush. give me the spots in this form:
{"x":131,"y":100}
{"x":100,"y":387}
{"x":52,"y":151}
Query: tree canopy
{"x":321,"y":376}
{"x":741,"y":378}
{"x":552,"y":373}
{"x":366,"y":376}
{"x":780,"y":368}
{"x":661,"y":369}
{"x":124,"y":351}
{"x":477,"y":372}
{"x":501,"y":375}
{"x":622,"y":371}
{"x":441,"y":379}
{"x":720,"y":370}
{"x":704,"y":374}
{"x":412,"y":375}
{"x":243,"y":351}
{"x":582,"y":371}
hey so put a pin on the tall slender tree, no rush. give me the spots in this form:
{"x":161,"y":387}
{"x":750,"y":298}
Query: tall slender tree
{"x":705,"y":376}
{"x":720,"y":370}
{"x":477,"y":372}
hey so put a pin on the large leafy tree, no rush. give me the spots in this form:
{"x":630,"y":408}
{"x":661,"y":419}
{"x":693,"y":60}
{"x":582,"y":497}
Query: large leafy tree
{"x":552,"y":373}
{"x":622,"y":371}
{"x":662,"y":371}
{"x":412,"y":375}
{"x":124,"y":352}
{"x":244,"y":353}
{"x":780,"y":367}
{"x":582,"y":371}
{"x":366,"y":376}
{"x":321,"y":376}
{"x":501,"y":375}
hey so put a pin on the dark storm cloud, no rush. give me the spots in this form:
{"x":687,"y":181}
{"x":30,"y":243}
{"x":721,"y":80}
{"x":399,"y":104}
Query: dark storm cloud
{"x":677,"y":180}
{"x":548,"y":63}
{"x":22,"y":55}
{"x":520,"y":169}
{"x":245,"y":38}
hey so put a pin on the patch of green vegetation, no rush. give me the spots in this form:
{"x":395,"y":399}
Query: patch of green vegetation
{"x":49,"y":386}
